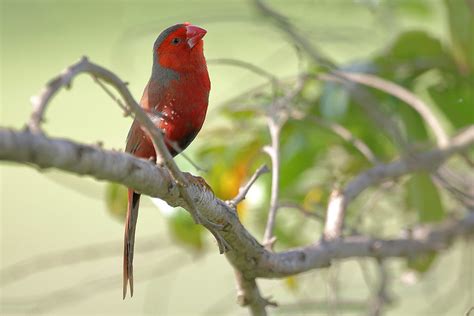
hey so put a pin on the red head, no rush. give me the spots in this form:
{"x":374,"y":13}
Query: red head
{"x":180,"y":48}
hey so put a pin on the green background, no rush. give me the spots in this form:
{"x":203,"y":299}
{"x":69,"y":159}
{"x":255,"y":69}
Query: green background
{"x":48,"y":212}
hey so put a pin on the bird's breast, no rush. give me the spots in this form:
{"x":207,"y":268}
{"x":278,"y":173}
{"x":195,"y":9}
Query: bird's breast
{"x":182,"y":107}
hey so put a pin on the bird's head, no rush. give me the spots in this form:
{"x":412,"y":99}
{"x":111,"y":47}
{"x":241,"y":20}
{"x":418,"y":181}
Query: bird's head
{"x":180,"y":48}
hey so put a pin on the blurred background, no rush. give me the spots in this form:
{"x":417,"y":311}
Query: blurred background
{"x":61,"y":235}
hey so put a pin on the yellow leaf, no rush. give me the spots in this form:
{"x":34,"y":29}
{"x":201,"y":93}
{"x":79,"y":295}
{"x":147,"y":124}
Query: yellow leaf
{"x":291,"y":283}
{"x":313,"y":197}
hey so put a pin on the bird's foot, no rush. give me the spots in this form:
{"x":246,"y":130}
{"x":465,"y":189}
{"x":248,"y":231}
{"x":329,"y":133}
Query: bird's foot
{"x":197,"y":180}
{"x":214,"y":228}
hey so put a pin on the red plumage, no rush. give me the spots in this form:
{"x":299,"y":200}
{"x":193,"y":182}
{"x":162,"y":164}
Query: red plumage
{"x":177,"y":95}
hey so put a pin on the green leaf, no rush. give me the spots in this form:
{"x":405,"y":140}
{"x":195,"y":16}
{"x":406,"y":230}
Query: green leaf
{"x":455,"y":98}
{"x":116,"y":200}
{"x":424,"y":198}
{"x":412,"y":53}
{"x":461,"y":27}
{"x":422,"y":262}
{"x":185,"y":231}
{"x":334,"y":101}
{"x":412,"y":122}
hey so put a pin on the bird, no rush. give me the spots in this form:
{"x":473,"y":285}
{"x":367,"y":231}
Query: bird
{"x":176,"y":98}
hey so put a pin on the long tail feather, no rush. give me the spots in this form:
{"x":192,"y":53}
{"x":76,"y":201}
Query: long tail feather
{"x":129,"y":240}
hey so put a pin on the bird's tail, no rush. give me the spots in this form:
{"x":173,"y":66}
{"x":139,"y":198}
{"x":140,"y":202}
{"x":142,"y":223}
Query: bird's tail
{"x":129,"y":240}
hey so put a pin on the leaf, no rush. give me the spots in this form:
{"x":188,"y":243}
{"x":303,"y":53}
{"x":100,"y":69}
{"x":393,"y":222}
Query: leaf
{"x":454,"y":96}
{"x":116,"y":200}
{"x":334,"y":101}
{"x":423,"y":197}
{"x":422,"y":262}
{"x":291,"y":283}
{"x":185,"y":231}
{"x":461,"y":27}
{"x":412,"y":122}
{"x":412,"y":53}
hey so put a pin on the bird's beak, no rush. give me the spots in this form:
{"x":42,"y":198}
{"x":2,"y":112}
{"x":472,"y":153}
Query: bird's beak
{"x":194,"y":34}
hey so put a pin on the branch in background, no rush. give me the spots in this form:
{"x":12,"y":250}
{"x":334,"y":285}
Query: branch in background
{"x":381,"y":296}
{"x":294,"y":36}
{"x":403,"y":94}
{"x":274,"y":152}
{"x":425,"y":161}
{"x":246,"y":65}
{"x":245,"y":189}
{"x":363,"y":98}
{"x":334,"y":216}
{"x":277,"y":116}
{"x":41,"y":101}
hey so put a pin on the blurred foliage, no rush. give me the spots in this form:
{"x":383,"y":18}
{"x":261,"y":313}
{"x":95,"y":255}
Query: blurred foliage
{"x":116,"y":200}
{"x":313,"y":158}
{"x":185,"y":232}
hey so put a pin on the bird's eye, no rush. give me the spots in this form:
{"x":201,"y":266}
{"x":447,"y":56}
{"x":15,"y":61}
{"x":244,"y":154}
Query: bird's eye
{"x":176,"y":41}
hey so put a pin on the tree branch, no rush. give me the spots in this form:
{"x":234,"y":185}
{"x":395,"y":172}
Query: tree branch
{"x":277,"y":116}
{"x":247,"y":255}
{"x":425,"y":161}
{"x":403,"y":94}
{"x":245,"y":189}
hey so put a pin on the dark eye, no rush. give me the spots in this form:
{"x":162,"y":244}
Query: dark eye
{"x":175,"y":41}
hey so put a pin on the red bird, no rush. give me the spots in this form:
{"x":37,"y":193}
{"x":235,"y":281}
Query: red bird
{"x":177,"y":93}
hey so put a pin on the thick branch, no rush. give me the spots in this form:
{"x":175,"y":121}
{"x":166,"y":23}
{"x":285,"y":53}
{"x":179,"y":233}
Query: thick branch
{"x":247,"y":255}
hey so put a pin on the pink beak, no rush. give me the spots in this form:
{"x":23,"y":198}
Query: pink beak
{"x":194,"y":34}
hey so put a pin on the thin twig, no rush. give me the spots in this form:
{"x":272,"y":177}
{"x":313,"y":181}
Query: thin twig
{"x":274,"y":152}
{"x":426,"y":161}
{"x":277,"y":116}
{"x":363,"y":98}
{"x":340,"y":131}
{"x":283,"y":23}
{"x":368,"y":103}
{"x":249,"y":66}
{"x":245,"y":189}
{"x":381,"y":296}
